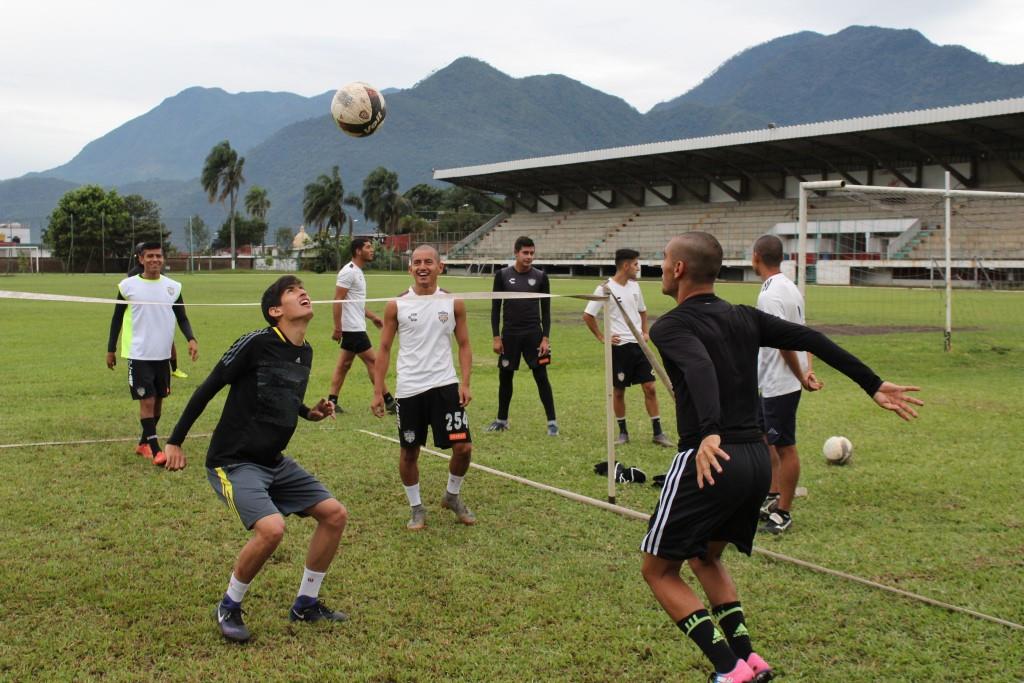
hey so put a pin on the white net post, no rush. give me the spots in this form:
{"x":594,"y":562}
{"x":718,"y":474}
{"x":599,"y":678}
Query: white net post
{"x":947,"y":336}
{"x":609,"y":399}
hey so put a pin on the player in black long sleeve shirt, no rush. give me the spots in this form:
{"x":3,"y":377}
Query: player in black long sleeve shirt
{"x":714,"y":488}
{"x":268,"y":371}
{"x":525,"y":334}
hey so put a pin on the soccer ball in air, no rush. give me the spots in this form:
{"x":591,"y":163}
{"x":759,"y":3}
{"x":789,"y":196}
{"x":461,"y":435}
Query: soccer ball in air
{"x":358,"y":109}
{"x":837,"y":450}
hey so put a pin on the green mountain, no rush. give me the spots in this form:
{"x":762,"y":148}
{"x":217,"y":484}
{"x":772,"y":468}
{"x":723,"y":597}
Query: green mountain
{"x":170,"y":141}
{"x":470,"y":113}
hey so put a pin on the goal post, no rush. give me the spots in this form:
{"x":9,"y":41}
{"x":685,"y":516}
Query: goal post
{"x":895,"y":230}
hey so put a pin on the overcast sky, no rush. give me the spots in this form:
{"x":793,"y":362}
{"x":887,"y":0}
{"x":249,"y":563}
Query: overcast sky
{"x":73,"y":71}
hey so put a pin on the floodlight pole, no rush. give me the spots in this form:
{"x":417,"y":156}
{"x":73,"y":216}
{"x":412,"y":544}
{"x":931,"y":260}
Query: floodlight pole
{"x":609,"y":399}
{"x":948,"y":335}
{"x":801,"y":275}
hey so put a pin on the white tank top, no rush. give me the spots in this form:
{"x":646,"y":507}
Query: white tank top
{"x":425,"y":328}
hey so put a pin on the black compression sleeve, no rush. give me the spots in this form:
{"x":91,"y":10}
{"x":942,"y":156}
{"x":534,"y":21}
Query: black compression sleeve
{"x":183,"y":323}
{"x":545,"y":306}
{"x":202,"y":395}
{"x":115,"y":324}
{"x":496,"y":305}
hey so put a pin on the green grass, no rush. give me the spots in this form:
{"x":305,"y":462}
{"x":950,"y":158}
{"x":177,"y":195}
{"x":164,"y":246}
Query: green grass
{"x":109,"y":568}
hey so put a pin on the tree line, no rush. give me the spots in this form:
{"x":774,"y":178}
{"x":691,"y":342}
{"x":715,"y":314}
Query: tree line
{"x":91,"y":224}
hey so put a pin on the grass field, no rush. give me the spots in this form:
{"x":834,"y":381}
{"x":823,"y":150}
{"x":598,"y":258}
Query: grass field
{"x":109,"y":567}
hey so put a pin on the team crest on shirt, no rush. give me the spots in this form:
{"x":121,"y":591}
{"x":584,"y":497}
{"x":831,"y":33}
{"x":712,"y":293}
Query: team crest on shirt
{"x":413,"y":316}
{"x":409,"y":436}
{"x":170,"y":291}
{"x":531,"y":282}
{"x":442,"y":316}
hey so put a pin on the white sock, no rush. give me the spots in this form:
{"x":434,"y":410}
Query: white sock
{"x":236,"y":589}
{"x":455,"y":484}
{"x":311,"y":581}
{"x":413,"y":494}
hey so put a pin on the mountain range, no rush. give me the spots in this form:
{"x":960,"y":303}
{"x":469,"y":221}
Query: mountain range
{"x":470,"y":113}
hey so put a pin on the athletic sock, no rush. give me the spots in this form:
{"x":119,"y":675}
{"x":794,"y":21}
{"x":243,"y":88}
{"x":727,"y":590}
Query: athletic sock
{"x":505,"y":386}
{"x":310,"y":586}
{"x":702,"y":631}
{"x":547,"y":398}
{"x":656,"y":425}
{"x":236,"y":590}
{"x":622,"y":425}
{"x":413,"y":494}
{"x":149,"y":431}
{"x":455,"y":484}
{"x":730,"y":618}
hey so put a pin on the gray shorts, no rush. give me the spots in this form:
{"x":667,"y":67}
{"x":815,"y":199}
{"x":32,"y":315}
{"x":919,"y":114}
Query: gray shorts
{"x":253,"y":491}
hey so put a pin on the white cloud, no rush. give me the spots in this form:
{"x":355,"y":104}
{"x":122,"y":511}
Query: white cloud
{"x":73,"y":71}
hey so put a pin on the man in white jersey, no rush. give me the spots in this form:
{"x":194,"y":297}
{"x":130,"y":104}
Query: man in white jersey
{"x":780,"y":376}
{"x":428,"y":392}
{"x":629,"y":364}
{"x":146,"y":338}
{"x":350,"y":321}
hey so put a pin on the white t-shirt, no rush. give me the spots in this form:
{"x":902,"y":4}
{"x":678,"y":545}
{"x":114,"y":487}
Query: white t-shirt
{"x":147,"y":332}
{"x":781,"y":298}
{"x":632,"y":300}
{"x":425,"y":328}
{"x":353,"y":315}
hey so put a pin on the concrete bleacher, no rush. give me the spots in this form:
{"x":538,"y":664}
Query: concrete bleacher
{"x":992,"y":230}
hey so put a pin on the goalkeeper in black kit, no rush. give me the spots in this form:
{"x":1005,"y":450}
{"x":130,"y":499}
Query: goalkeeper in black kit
{"x":717,"y":482}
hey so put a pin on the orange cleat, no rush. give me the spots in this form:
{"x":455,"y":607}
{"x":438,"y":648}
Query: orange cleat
{"x":144,"y":450}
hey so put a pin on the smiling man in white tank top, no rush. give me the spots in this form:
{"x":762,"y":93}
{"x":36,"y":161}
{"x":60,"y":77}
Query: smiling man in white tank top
{"x":428,"y":391}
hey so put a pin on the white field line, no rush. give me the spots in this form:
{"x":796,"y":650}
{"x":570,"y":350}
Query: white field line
{"x":85,"y":442}
{"x":634,"y":514}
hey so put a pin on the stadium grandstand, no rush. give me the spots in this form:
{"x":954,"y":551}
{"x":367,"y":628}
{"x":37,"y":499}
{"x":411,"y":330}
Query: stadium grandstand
{"x":579,"y":208}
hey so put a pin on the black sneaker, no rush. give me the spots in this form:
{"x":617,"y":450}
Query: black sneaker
{"x":778,"y":522}
{"x":770,"y":505}
{"x":391,"y":405}
{"x":498,"y":426}
{"x":229,"y":619}
{"x":315,"y":611}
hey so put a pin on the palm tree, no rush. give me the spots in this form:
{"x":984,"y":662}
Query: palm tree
{"x":324,"y":202}
{"x":256,"y":202}
{"x":222,"y":178}
{"x":382,"y":201}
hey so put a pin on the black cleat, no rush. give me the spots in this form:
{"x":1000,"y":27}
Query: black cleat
{"x":315,"y":611}
{"x":770,"y":505}
{"x":778,"y":523}
{"x":391,"y":405}
{"x":229,"y":619}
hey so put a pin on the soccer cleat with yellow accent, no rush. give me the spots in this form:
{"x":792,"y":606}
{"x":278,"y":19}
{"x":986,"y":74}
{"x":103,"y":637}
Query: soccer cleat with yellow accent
{"x":453,"y":502}
{"x":179,"y":374}
{"x":144,"y":450}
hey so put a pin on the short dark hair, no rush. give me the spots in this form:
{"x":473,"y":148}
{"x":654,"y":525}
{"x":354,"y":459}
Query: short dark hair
{"x":769,"y":248}
{"x":146,"y":246}
{"x":702,"y":254}
{"x":523,"y":241}
{"x":623,"y":255}
{"x":272,"y":297}
{"x":357,"y":244}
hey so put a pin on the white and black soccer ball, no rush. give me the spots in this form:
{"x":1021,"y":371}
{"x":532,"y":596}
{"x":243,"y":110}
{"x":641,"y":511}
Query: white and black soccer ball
{"x":358,"y":109}
{"x":837,"y":450}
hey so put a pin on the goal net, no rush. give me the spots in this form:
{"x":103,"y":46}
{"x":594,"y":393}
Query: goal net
{"x":920,"y":249}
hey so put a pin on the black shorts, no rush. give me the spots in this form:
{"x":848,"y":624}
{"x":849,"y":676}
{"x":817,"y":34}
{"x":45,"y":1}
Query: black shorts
{"x":254,"y":491}
{"x":778,"y":418}
{"x":686,"y":518}
{"x":524,"y":345}
{"x":355,"y":342}
{"x":630,"y":366}
{"x":149,"y":378}
{"x":437,"y":408}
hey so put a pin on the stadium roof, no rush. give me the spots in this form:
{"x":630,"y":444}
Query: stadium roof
{"x":900,"y":143}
